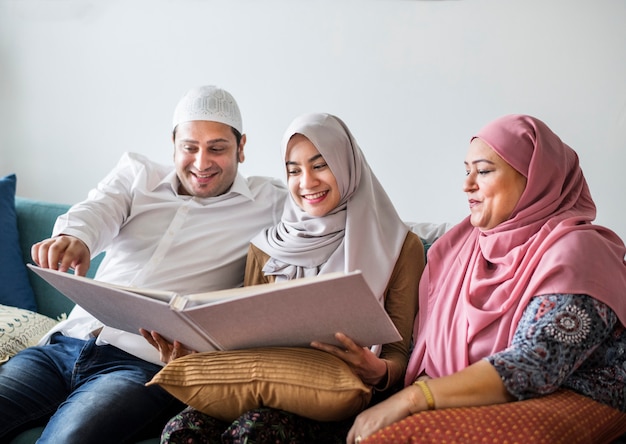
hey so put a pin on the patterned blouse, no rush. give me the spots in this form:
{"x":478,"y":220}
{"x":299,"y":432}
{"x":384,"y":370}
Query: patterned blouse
{"x":566,"y":340}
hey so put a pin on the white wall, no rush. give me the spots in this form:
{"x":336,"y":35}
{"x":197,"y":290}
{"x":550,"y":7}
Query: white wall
{"x":82,"y":81}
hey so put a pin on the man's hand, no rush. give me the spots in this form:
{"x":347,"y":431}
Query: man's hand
{"x":62,"y":253}
{"x":169,"y":351}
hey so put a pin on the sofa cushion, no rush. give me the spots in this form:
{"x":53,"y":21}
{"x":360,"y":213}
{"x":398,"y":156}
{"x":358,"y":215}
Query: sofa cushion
{"x":562,"y":417}
{"x":226,"y":384}
{"x":19,"y":329}
{"x":15,"y":289}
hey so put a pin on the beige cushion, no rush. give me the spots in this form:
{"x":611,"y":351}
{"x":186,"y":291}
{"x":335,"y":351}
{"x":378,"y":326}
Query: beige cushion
{"x":226,"y":384}
{"x":19,"y":329}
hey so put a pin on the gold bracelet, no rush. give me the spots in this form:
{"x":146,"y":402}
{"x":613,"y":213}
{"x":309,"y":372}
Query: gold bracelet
{"x":430,"y":401}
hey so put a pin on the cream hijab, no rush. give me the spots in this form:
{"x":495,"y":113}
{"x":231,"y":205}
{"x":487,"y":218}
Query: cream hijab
{"x":363,"y":232}
{"x":477,"y":284}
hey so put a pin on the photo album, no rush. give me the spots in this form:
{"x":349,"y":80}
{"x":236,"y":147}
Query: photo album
{"x":291,"y":313}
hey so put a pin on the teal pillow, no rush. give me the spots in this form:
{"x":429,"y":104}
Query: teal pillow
{"x":15,"y":289}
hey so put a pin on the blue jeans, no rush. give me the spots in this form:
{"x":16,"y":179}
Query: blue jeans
{"x":86,"y":393}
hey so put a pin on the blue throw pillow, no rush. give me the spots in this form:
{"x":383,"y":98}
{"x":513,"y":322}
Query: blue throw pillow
{"x":15,"y":289}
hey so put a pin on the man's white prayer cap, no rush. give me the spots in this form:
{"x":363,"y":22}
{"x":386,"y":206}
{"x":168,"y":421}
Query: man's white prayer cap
{"x":208,"y":103}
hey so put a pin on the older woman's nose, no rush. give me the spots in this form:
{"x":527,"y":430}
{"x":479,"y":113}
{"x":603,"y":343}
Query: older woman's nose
{"x":469,"y":184}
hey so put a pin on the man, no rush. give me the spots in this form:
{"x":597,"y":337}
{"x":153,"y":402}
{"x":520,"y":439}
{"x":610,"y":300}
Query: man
{"x":183,"y":229}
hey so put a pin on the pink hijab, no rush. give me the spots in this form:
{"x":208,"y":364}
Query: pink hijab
{"x":476,"y":284}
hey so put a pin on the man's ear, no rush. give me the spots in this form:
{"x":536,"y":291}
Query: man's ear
{"x":240,"y":154}
{"x":174,"y":143}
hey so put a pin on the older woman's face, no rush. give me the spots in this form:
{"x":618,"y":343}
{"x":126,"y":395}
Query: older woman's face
{"x":493,"y":187}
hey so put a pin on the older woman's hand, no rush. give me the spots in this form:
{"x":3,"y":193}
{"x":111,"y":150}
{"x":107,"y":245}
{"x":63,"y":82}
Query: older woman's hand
{"x":369,"y":367}
{"x":392,"y":409}
{"x":169,"y":351}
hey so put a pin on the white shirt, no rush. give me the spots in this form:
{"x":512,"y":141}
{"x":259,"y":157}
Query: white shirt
{"x":156,"y":238}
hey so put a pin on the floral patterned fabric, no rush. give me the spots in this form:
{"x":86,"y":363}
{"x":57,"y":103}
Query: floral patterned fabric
{"x":565,"y":340}
{"x":254,"y":427}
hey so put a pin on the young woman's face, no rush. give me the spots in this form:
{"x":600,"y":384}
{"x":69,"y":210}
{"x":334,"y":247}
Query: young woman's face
{"x":493,"y":187}
{"x":311,"y":182}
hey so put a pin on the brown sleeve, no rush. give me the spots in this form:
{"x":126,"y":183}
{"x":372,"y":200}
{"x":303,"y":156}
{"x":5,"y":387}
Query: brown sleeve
{"x":401,"y":303}
{"x":255,"y":262}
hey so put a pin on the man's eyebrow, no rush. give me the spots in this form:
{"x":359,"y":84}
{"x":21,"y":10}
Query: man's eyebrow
{"x":312,"y":159}
{"x":220,"y":139}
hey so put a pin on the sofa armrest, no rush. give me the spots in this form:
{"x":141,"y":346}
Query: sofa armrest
{"x":561,"y":417}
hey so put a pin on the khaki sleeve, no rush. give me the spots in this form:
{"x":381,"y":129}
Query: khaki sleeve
{"x":255,"y":262}
{"x":401,"y":303}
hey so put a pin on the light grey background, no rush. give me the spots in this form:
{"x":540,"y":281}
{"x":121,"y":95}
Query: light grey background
{"x":82,"y":81}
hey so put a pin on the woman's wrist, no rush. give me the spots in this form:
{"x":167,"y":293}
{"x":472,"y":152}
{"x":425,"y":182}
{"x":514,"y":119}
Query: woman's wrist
{"x":420,"y":398}
{"x":428,"y":395}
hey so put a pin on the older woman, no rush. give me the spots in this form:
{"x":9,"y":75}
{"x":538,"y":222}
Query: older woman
{"x":525,"y":295}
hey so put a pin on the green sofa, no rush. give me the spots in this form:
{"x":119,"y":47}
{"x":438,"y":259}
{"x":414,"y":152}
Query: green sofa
{"x":35,"y":220}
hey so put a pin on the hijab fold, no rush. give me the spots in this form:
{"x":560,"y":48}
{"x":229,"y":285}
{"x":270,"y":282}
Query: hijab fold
{"x":477,"y":284}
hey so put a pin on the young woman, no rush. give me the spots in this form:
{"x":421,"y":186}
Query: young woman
{"x":338,"y":218}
